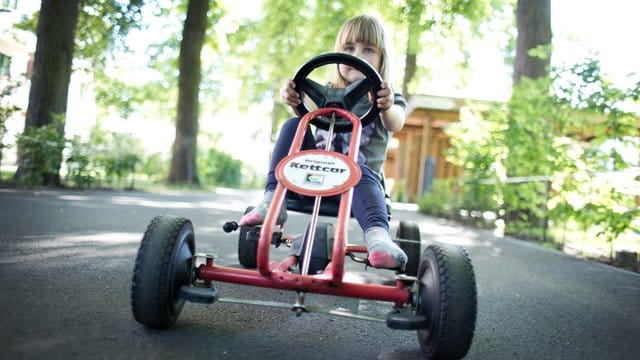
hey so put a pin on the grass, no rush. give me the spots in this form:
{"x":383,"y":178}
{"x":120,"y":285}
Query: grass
{"x":573,"y":240}
{"x":589,"y":243}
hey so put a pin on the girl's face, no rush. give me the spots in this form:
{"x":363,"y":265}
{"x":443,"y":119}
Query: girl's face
{"x":366,"y":52}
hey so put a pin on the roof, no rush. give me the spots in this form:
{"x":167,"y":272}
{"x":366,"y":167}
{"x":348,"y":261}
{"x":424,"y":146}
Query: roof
{"x":443,"y":103}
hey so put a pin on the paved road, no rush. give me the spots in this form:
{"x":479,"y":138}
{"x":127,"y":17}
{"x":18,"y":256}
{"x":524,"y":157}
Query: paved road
{"x":66,"y":260}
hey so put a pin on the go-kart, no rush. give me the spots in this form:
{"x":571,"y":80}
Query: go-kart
{"x":435,"y":294}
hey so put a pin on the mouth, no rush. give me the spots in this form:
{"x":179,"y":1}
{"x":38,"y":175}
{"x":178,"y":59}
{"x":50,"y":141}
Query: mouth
{"x":353,"y":71}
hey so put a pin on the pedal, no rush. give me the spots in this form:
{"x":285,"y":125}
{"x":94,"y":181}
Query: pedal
{"x":276,"y":236}
{"x":406,"y":278}
{"x":357,"y":258}
{"x":201,"y":295}
{"x":406,"y":319}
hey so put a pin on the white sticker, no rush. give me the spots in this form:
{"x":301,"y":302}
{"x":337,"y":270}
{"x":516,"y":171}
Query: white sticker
{"x":316,"y":171}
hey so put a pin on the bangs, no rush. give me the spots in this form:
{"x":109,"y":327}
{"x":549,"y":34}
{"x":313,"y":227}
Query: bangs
{"x":364,"y":30}
{"x":368,"y":30}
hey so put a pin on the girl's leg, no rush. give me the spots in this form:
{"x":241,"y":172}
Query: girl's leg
{"x":370,"y":209}
{"x":280,"y":150}
{"x":282,"y":146}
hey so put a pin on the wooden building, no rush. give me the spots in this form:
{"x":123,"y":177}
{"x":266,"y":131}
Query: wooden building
{"x":417,"y":152}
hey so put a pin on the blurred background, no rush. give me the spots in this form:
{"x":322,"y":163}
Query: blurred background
{"x":522,"y":115}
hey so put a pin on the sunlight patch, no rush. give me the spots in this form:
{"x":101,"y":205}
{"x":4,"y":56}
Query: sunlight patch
{"x":74,"y":197}
{"x":455,"y":240}
{"x":107,"y":238}
{"x":125,"y":200}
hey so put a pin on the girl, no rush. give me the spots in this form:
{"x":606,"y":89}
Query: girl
{"x":362,"y":36}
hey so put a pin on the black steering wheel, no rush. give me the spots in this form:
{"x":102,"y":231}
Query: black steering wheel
{"x":344,"y":98}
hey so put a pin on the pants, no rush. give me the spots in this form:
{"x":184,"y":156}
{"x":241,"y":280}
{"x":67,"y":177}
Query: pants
{"x":368,"y":205}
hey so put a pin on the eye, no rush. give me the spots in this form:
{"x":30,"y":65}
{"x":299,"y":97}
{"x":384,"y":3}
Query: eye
{"x":371,"y":49}
{"x":349,"y":48}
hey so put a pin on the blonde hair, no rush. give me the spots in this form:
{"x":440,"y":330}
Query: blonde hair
{"x":369,"y":30}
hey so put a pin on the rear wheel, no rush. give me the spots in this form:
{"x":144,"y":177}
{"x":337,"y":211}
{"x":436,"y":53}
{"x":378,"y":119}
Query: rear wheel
{"x":162,"y":266}
{"x":408,"y":238}
{"x":322,"y":248}
{"x":447,"y":297}
{"x":248,"y":244}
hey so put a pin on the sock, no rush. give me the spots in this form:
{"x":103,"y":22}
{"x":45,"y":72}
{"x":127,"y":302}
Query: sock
{"x":383,"y":252}
{"x":259,"y":212}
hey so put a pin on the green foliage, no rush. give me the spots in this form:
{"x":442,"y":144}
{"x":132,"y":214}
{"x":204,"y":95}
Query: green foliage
{"x":267,"y":51}
{"x":478,"y":140}
{"x":220,"y":169}
{"x":425,"y":28}
{"x":6,"y":108}
{"x":614,"y":215}
{"x":117,"y":156}
{"x":80,"y":170}
{"x":537,"y":138}
{"x":5,"y":113}
{"x":442,"y":200}
{"x":479,"y":197}
{"x":164,"y":55}
{"x":108,"y":157}
{"x":102,"y":28}
{"x":117,"y":95}
{"x":155,"y":168}
{"x":533,"y":122}
{"x":41,"y":150}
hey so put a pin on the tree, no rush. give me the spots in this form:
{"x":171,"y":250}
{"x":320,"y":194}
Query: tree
{"x":268,"y":50}
{"x":183,"y":162}
{"x":51,"y":75}
{"x":415,"y":27}
{"x":534,"y":39}
{"x":441,"y":18}
{"x":531,"y":117}
{"x":57,"y":25}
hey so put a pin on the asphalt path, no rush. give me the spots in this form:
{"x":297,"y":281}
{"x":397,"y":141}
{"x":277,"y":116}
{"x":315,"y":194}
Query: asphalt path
{"x":67,"y":257}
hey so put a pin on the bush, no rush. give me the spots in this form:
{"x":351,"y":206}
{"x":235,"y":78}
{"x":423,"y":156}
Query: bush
{"x":155,"y":168}
{"x":107,"y":157}
{"x":6,"y":110}
{"x":41,"y":152}
{"x":220,"y":169}
{"x":443,"y":199}
{"x":538,"y":135}
{"x":80,"y":170}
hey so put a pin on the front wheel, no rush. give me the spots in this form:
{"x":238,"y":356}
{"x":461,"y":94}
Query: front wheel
{"x":447,"y":297}
{"x":162,"y":266}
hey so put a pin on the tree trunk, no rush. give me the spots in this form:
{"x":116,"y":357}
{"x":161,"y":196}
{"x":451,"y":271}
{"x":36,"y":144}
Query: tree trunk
{"x":415,"y":28}
{"x":534,"y":29}
{"x":51,"y":75}
{"x":409,"y":72}
{"x":183,"y":162}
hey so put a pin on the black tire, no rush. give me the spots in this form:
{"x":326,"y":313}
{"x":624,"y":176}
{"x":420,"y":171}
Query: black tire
{"x":248,"y":248}
{"x":162,"y":266}
{"x":408,"y":238}
{"x":447,"y":297}
{"x":322,"y":248}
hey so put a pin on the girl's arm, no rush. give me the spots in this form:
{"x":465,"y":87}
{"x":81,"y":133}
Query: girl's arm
{"x":392,"y":115}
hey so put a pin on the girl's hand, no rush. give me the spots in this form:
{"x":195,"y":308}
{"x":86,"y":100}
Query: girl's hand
{"x":385,"y":97}
{"x":393,"y":117}
{"x":289,"y":94}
